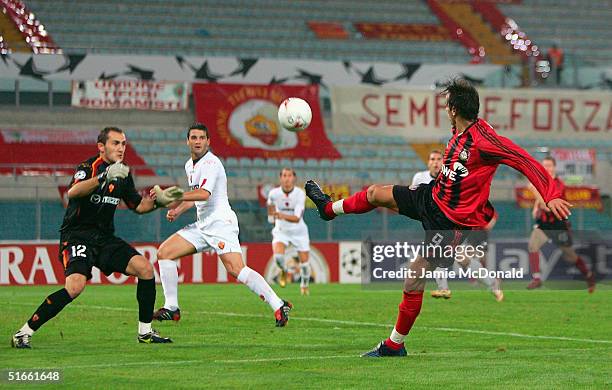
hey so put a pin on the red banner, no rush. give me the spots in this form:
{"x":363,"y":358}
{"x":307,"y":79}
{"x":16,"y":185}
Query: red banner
{"x":243,"y":121}
{"x":403,"y":32}
{"x":27,"y":263}
{"x":580,"y":196}
{"x":328,"y":30}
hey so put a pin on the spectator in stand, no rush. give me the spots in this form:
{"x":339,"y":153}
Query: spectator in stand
{"x":556,"y":57}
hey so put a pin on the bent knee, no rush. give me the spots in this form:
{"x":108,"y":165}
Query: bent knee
{"x":75,"y":288}
{"x":163,"y":253}
{"x":533,"y":247}
{"x":145,"y":271}
{"x":373,"y":193}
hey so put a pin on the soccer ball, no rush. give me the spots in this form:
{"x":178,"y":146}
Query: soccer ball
{"x":294,"y":114}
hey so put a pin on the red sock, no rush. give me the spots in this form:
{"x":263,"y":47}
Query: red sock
{"x":409,"y":309}
{"x":329,"y":211}
{"x":357,"y":203}
{"x":534,"y":264}
{"x":581,"y":265}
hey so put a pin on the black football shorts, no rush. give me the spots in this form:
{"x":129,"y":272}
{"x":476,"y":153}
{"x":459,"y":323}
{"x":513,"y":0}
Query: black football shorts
{"x":418,"y":204}
{"x":79,"y":254}
{"x":559,"y":232}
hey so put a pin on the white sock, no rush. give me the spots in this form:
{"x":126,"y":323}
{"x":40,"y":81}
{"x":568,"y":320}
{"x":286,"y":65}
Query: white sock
{"x":397,"y":337}
{"x":487,"y":280}
{"x":168,"y":273}
{"x":442,"y":282}
{"x":280,"y":261}
{"x":337,"y":207}
{"x":25,"y":329}
{"x":259,"y":286}
{"x":304,"y":274}
{"x":144,"y":328}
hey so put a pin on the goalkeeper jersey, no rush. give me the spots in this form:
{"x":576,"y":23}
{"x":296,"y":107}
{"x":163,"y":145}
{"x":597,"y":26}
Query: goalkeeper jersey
{"x":96,"y":211}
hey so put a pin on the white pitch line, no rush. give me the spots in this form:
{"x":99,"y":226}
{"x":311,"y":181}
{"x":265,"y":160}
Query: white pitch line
{"x":146,"y":363}
{"x":298,"y":358}
{"x":359,"y":323}
{"x":291,"y":358}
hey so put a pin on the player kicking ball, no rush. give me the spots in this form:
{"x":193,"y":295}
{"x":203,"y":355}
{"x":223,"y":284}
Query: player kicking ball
{"x":286,"y":205}
{"x":449,"y":207}
{"x":548,"y":227}
{"x":216,"y":228}
{"x":87,"y":236}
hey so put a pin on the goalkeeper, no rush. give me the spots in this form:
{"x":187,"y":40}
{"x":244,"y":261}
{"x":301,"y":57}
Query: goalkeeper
{"x":87,"y":236}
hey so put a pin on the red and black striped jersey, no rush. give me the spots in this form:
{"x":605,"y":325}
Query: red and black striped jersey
{"x":548,"y":216}
{"x":470,"y":160}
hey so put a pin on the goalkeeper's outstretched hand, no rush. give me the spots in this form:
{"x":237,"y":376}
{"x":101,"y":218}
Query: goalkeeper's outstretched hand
{"x":164,"y":197}
{"x":114,"y":171}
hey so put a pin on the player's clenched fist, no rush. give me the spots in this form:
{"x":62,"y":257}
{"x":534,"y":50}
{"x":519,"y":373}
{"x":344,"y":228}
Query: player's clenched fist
{"x":171,"y":215}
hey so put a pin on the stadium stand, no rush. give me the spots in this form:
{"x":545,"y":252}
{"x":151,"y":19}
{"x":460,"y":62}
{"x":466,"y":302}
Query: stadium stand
{"x":22,"y":31}
{"x":570,"y":24}
{"x":267,"y":29}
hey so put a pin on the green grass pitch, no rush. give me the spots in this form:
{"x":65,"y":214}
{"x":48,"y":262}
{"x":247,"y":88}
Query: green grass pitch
{"x":227,"y":339}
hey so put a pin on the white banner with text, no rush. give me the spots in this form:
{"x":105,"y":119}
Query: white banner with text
{"x":512,"y":112}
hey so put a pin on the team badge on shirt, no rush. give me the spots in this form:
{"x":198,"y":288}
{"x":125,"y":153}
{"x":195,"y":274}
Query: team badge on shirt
{"x":464,"y":155}
{"x":80,"y":175}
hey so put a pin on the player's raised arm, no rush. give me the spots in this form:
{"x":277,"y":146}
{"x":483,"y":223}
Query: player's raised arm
{"x":496,"y":148}
{"x":82,"y":184}
{"x":79,"y":189}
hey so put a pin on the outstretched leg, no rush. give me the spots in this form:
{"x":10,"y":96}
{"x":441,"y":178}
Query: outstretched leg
{"x":360,"y":202}
{"x":49,"y":308}
{"x":255,"y":282}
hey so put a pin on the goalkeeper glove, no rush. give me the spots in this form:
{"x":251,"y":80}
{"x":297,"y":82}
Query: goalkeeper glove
{"x":114,"y":171}
{"x":164,"y":197}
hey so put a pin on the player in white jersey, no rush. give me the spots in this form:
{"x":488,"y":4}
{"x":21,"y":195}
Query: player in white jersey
{"x":216,"y":228}
{"x":286,"y":205}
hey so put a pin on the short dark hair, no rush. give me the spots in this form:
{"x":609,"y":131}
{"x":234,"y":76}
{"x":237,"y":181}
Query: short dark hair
{"x":436,"y":151}
{"x":463,"y":97}
{"x":197,"y":126}
{"x":103,"y":136}
{"x":287,"y":169}
{"x":550,"y":158}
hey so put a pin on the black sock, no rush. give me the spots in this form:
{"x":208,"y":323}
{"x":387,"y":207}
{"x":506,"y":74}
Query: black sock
{"x":52,"y":305}
{"x":145,"y":293}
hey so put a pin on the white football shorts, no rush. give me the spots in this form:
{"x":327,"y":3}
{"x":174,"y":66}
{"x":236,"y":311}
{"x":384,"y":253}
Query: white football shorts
{"x":298,"y":238}
{"x":220,"y":235}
